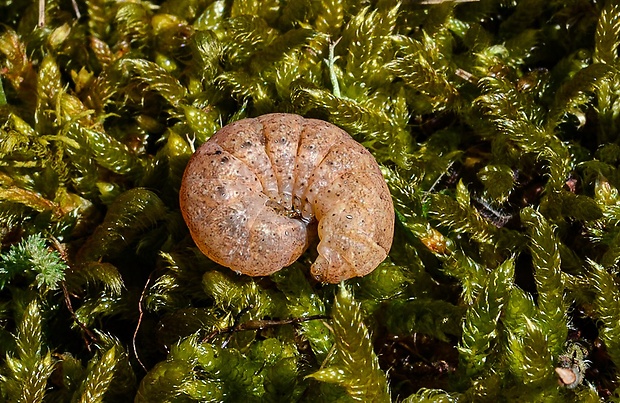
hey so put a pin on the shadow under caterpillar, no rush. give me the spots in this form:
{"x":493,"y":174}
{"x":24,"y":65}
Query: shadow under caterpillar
{"x":255,"y":192}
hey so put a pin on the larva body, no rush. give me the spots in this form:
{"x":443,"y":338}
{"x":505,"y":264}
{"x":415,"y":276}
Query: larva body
{"x":254,"y":192}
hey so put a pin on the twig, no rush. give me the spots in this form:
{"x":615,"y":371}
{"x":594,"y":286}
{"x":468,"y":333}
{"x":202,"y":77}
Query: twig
{"x":86,"y":331}
{"x":41,"y":22}
{"x":92,"y":337}
{"x":78,"y":15}
{"x":41,"y":13}
{"x":135,"y":333}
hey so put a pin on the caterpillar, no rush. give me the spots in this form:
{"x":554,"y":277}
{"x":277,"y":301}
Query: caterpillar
{"x":259,"y":191}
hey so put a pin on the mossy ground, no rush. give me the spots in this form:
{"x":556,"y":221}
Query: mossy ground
{"x":496,"y":124}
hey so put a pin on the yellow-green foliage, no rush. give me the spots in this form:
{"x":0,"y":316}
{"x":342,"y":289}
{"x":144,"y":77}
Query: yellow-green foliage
{"x":496,"y":125}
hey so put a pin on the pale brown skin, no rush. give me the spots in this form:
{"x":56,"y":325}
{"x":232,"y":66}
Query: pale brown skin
{"x":249,"y":194}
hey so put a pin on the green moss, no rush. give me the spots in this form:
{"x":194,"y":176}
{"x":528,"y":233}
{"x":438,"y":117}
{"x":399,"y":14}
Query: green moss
{"x":496,"y":126}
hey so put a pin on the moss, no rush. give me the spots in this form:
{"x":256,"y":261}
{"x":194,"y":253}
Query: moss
{"x":496,"y":126}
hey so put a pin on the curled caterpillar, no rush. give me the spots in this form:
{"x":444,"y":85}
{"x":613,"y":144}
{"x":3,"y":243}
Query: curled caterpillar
{"x":256,"y":193}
